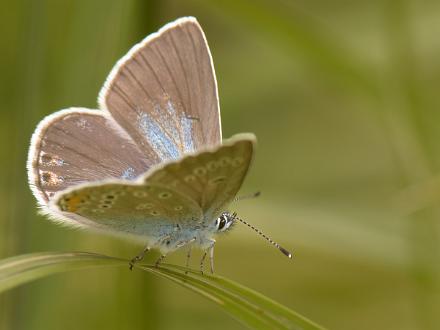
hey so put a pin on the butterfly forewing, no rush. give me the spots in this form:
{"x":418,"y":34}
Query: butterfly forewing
{"x":76,"y":146}
{"x":211,"y":178}
{"x":164,"y":93}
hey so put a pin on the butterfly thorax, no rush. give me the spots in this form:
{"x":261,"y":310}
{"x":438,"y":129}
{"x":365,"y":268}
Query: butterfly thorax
{"x":201,"y":234}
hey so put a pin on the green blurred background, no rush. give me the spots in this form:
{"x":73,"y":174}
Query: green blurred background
{"x":343,"y":97}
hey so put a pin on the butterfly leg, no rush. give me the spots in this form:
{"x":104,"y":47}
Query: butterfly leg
{"x":188,"y":256}
{"x":159,"y":260}
{"x":139,"y":257}
{"x":202,"y":261}
{"x":211,"y":256}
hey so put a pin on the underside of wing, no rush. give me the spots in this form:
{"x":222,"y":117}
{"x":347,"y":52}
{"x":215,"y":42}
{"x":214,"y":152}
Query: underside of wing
{"x":211,"y":178}
{"x":132,"y":208}
{"x":190,"y":191}
{"x":164,"y":92}
{"x":75,"y":146}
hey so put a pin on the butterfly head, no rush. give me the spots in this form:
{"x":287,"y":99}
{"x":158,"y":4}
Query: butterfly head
{"x":225,"y":221}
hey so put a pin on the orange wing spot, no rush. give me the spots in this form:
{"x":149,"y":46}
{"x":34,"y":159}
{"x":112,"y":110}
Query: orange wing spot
{"x":72,"y":203}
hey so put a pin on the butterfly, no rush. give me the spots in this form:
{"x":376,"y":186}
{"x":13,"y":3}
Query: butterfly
{"x":150,"y":163}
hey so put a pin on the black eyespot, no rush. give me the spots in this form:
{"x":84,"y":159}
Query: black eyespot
{"x":222,"y":222}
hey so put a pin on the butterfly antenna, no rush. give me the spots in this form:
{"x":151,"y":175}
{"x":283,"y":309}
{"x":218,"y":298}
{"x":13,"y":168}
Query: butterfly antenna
{"x":279,"y":247}
{"x":240,"y":198}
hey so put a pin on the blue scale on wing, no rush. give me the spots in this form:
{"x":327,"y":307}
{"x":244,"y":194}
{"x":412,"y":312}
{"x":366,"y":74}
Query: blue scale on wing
{"x":170,"y":136}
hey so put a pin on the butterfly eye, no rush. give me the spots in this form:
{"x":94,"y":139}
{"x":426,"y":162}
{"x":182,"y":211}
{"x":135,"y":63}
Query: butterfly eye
{"x":222,"y":223}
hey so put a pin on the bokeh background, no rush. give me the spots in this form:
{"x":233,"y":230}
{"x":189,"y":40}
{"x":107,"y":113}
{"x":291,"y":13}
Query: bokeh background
{"x":344,"y":99}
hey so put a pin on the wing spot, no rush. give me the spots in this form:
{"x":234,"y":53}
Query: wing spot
{"x":51,"y":160}
{"x":50,"y":179}
{"x":165,"y":195}
{"x":212,"y":166}
{"x":144,"y":206}
{"x":237,"y":161}
{"x":224,"y":161}
{"x":217,"y":180}
{"x":140,"y":194}
{"x":178,"y":208}
{"x":117,"y":193}
{"x":154,"y":213}
{"x":199,"y":171}
{"x":108,"y":196}
{"x":189,"y":178}
{"x":83,"y":124}
{"x":148,"y":188}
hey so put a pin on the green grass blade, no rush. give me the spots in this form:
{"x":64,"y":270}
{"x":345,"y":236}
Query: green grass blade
{"x":28,"y":267}
{"x":247,"y":306}
{"x":278,"y":311}
{"x":275,"y":314}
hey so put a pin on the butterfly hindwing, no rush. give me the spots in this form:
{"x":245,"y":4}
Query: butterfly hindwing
{"x":211,"y":178}
{"x":164,"y":92}
{"x":138,"y":209}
